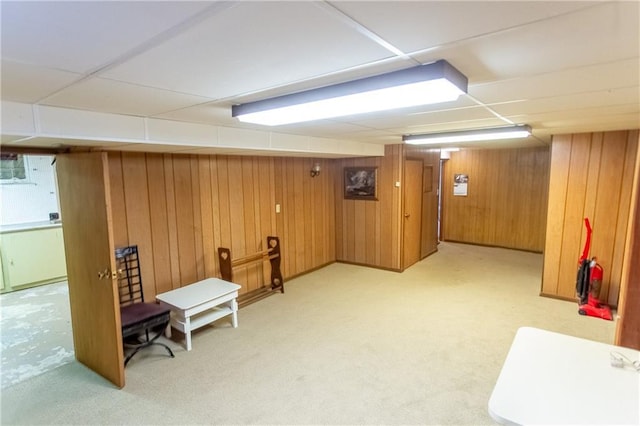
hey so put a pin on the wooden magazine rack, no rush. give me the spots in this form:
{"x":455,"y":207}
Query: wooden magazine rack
{"x":272,"y":254}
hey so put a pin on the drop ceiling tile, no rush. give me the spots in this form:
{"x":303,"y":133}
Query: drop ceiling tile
{"x":250,"y":47}
{"x":603,"y":33}
{"x":103,"y":95}
{"x":428,"y":117}
{"x":596,"y":124}
{"x":418,"y":25}
{"x":619,"y":74}
{"x":30,"y":83}
{"x":80,"y":36}
{"x":600,"y":99}
{"x":586,"y":115}
{"x":606,"y":32}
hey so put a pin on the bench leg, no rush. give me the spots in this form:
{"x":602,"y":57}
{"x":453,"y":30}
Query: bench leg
{"x":234,"y":316}
{"x":187,"y":332}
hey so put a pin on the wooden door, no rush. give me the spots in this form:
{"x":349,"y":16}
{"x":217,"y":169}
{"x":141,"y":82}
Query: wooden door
{"x":412,"y":212}
{"x":83,"y":180}
{"x":430,"y":181}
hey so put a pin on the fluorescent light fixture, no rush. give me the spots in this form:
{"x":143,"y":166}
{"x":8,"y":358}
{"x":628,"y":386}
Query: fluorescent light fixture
{"x":421,"y":85}
{"x":487,"y":134}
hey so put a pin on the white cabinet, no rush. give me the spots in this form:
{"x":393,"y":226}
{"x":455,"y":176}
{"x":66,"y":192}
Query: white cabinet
{"x":32,"y":256}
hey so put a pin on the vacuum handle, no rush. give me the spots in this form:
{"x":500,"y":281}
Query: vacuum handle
{"x":587,"y":244}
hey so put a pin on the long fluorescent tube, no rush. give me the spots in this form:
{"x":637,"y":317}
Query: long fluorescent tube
{"x":488,"y":134}
{"x":425,"y":84}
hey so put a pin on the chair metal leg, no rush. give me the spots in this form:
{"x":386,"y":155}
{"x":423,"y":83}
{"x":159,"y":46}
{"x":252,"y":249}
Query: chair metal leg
{"x":150,"y":342}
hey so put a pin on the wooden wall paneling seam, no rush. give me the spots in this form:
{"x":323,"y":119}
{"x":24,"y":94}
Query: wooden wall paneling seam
{"x":136,"y":192}
{"x":623,"y":214}
{"x":349,"y":225}
{"x":289,"y":185}
{"x":299,"y":173}
{"x":398,"y":157}
{"x":215,"y":211}
{"x":118,"y":203}
{"x":209,"y":250}
{"x":558,"y":187}
{"x":377,"y":260}
{"x":185,"y":219}
{"x":387,"y":254}
{"x":444,"y":189}
{"x":225,"y":204}
{"x":613,"y":187}
{"x":292,"y":202}
{"x":326,"y":213}
{"x":172,"y":221}
{"x":400,"y":198}
{"x":197,"y":217}
{"x":159,"y":229}
{"x":573,"y":228}
{"x":265,"y":209}
{"x":317,"y":208}
{"x":249,"y":216}
{"x":369,"y":220}
{"x":339,"y":210}
{"x":281,"y":222}
{"x":495,"y":197}
{"x":591,"y":199}
{"x":331,"y":236}
{"x":273,"y":198}
{"x":308,"y":220}
{"x":237,"y":218}
{"x":258,"y":241}
{"x":360,"y":231}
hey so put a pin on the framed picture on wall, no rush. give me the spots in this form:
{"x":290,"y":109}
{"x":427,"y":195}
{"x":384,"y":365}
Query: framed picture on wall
{"x":361,"y":183}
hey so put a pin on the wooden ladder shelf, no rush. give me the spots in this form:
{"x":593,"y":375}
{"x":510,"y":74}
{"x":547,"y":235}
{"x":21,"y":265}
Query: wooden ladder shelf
{"x":272,"y":254}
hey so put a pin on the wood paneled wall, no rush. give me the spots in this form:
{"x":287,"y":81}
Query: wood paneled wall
{"x":179,"y":209}
{"x":591,"y":176}
{"x":506,"y":202}
{"x":628,"y":326}
{"x":370,"y":232}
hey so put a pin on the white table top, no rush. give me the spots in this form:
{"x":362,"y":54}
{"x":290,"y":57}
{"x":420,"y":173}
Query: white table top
{"x":197,"y":293}
{"x":550,"y":378}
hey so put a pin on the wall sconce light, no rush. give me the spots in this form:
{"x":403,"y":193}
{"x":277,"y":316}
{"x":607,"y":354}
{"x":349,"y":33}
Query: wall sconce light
{"x":315,"y":170}
{"x":420,"y":85}
{"x":486,"y":134}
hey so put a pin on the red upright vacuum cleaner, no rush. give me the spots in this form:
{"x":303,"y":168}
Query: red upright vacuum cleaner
{"x":588,"y":283}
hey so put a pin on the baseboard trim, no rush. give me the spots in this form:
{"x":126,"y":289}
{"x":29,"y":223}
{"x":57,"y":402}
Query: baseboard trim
{"x":369,"y":266}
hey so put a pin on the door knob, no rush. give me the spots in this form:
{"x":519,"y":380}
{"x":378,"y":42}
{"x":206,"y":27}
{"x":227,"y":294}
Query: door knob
{"x":106,"y":274}
{"x":407,"y":215}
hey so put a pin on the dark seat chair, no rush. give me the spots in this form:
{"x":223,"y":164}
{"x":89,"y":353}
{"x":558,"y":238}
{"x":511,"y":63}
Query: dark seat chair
{"x":142,"y":323}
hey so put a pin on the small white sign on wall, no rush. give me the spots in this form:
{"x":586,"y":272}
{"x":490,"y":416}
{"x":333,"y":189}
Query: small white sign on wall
{"x":460,"y":182}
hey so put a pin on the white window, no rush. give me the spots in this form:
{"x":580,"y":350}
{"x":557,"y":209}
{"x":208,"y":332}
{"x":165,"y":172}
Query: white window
{"x":14,"y":168}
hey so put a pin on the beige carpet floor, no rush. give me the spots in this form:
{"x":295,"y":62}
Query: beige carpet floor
{"x":344,"y":345}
